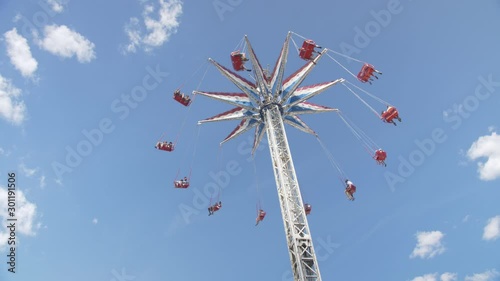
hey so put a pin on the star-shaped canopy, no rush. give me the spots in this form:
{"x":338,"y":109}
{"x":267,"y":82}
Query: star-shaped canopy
{"x":269,"y":88}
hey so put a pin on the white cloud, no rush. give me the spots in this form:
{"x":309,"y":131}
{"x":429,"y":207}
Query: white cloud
{"x":25,"y":214}
{"x":448,"y":276}
{"x":487,"y":146}
{"x":427,"y":277}
{"x":56,"y":5}
{"x":4,"y":152}
{"x":17,"y":17}
{"x":485,"y":276}
{"x":42,"y":181}
{"x":59,"y":182}
{"x":428,"y":245}
{"x":10,"y":107}
{"x":492,"y":229}
{"x":158,"y":31}
{"x":134,"y":35}
{"x":27,"y":171}
{"x":491,"y":129}
{"x":95,"y":221}
{"x":466,"y":218}
{"x":66,"y":43}
{"x":19,"y":53}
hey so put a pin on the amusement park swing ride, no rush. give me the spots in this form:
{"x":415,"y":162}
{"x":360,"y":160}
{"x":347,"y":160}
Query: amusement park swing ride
{"x":267,"y":105}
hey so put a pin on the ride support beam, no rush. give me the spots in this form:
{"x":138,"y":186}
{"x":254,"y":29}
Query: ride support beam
{"x":300,"y":245}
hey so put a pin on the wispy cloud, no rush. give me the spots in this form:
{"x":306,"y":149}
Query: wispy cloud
{"x":447,"y":276}
{"x":95,"y":221}
{"x":492,"y":229}
{"x":427,"y":277}
{"x":466,"y":218}
{"x":11,"y":107}
{"x":42,"y":181}
{"x":27,"y":171}
{"x":159,"y":25}
{"x":66,"y":43}
{"x":488,"y":147}
{"x":26,"y":214}
{"x":4,"y":152}
{"x":488,"y":275}
{"x":428,"y":244}
{"x":57,"y":5}
{"x":59,"y":182}
{"x":19,"y":53}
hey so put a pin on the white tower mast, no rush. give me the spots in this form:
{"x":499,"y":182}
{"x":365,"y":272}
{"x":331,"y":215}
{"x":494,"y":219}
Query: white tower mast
{"x":266,"y":105}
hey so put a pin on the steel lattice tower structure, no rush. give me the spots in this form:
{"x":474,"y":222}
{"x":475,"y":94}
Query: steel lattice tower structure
{"x":267,"y":105}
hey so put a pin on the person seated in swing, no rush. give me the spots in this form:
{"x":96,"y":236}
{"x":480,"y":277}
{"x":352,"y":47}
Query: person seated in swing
{"x":214,"y":208}
{"x":158,"y":145}
{"x":177,"y":93}
{"x":240,"y":56}
{"x":350,"y":190}
{"x":243,"y":57}
{"x":260,"y":217}
{"x":162,"y":145}
{"x":182,"y":183}
{"x":182,"y":98}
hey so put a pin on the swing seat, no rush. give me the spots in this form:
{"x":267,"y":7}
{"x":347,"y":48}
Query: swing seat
{"x":390,"y":114}
{"x":238,"y":59}
{"x":186,"y":101}
{"x":351,"y":189}
{"x":181,"y":184}
{"x":307,"y":208}
{"x":307,"y":50}
{"x":349,"y":196}
{"x":380,"y":155}
{"x":366,"y":72}
{"x":165,"y":146}
{"x":215,"y":208}
{"x":262,"y":215}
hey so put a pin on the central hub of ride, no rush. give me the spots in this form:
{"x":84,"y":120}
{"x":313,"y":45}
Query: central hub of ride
{"x":267,"y":105}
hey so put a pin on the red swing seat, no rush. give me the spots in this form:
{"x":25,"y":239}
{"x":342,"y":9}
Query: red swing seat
{"x":238,"y":59}
{"x":186,"y":101}
{"x":380,"y":155}
{"x":390,"y":114}
{"x":307,"y":49}
{"x":181,"y":184}
{"x":366,"y":72}
{"x":262,"y":215}
{"x":165,"y":146}
{"x":307,"y":208}
{"x":214,"y":208}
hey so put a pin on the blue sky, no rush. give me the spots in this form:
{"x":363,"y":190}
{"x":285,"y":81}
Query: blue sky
{"x":104,"y":208}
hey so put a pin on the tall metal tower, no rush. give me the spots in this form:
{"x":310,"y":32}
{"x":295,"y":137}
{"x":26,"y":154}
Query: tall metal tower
{"x":266,"y":105}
